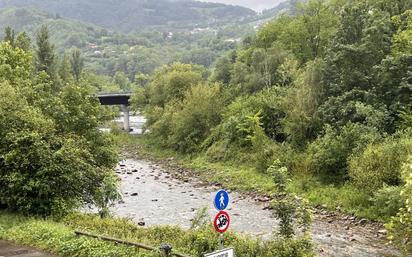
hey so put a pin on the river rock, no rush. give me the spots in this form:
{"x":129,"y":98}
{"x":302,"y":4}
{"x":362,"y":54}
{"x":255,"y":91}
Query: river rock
{"x":382,"y":232}
{"x":362,"y":221}
{"x":263,"y":199}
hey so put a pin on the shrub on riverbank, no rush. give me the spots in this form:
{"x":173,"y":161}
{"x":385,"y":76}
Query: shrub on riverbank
{"x":59,"y":238}
{"x":400,"y":227}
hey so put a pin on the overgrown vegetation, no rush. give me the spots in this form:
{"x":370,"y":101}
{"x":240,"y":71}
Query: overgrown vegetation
{"x":59,"y":238}
{"x":326,"y":91}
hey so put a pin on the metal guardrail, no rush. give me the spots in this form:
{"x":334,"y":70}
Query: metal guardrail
{"x":166,"y":250}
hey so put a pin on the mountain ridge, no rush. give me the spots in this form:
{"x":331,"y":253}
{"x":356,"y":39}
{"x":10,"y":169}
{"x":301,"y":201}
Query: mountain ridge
{"x":129,"y":15}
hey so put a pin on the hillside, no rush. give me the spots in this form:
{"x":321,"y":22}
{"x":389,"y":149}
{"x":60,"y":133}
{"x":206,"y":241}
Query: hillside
{"x":65,"y":33}
{"x":129,"y":15}
{"x":108,"y":51}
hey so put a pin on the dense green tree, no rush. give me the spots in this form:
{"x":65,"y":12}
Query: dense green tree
{"x":15,"y":65}
{"x":122,"y":81}
{"x":45,"y":55}
{"x":9,"y":36}
{"x":77,"y":64}
{"x":223,"y":70}
{"x":401,"y":42}
{"x":307,"y":35}
{"x":65,"y":69}
{"x":171,"y":82}
{"x":301,"y":123}
{"x":141,"y":79}
{"x":54,"y":158}
{"x":23,"y":41}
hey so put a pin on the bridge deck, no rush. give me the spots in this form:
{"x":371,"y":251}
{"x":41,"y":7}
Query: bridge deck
{"x":114,"y":98}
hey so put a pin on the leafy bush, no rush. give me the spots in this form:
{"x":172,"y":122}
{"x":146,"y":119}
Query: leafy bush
{"x":380,"y":164}
{"x":198,"y":114}
{"x":329,"y":153}
{"x":386,"y":202}
{"x":400,"y":226}
{"x":238,"y":123}
{"x":247,"y":125}
{"x":171,"y":82}
{"x":184,"y":125}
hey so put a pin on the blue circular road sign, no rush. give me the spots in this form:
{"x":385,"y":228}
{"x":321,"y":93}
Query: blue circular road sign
{"x":221,"y":200}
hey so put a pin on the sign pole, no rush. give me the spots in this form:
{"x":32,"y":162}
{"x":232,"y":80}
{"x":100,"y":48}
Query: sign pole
{"x":221,"y":223}
{"x":222,"y":241}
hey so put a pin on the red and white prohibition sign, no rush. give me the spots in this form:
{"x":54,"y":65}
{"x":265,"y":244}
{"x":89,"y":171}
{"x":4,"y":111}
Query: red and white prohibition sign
{"x":221,"y":222}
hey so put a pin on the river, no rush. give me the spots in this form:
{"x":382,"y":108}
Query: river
{"x":153,"y":196}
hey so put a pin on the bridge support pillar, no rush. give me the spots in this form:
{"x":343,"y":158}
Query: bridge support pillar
{"x":126,"y":115}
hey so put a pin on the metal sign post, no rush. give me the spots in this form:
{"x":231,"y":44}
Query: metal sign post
{"x":222,"y":241}
{"x":221,"y":223}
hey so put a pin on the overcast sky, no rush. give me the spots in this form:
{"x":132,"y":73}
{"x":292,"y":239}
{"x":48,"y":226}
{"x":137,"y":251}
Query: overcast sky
{"x":257,"y":5}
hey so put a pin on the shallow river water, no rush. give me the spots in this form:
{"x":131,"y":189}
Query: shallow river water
{"x":151,"y":195}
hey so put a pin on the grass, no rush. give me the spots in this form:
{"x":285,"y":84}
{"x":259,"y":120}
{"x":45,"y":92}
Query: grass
{"x":59,"y":238}
{"x":245,"y":178}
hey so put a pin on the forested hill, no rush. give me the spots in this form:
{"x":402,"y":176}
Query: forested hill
{"x":129,"y":15}
{"x":66,"y":33}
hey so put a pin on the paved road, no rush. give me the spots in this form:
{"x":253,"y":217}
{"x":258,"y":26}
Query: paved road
{"x":8,"y":249}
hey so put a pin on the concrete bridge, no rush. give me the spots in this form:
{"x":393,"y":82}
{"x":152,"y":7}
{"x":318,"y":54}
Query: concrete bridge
{"x":121,"y":99}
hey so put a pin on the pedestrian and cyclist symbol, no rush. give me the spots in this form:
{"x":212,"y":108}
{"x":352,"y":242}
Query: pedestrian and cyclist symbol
{"x":221,"y":200}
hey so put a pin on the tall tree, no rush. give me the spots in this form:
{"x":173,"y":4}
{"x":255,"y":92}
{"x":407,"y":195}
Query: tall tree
{"x":45,"y":52}
{"x":9,"y":36}
{"x":122,"y":81}
{"x":77,"y":63}
{"x":23,"y":41}
{"x":65,"y":69}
